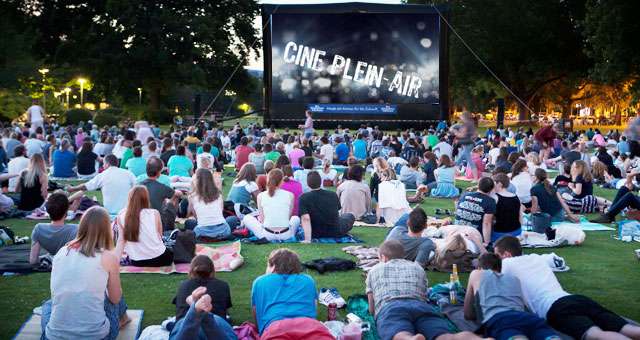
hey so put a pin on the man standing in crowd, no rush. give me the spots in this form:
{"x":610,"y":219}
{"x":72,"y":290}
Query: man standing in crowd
{"x":35,"y":116}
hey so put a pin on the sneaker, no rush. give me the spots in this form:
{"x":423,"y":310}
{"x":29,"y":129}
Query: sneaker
{"x":330,"y":295}
{"x":603,"y":218}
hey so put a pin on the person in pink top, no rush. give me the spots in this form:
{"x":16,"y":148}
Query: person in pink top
{"x":242,"y":152}
{"x":295,"y":155}
{"x":291,"y":185}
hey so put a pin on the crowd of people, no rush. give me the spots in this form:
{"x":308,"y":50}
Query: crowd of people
{"x":280,"y":191}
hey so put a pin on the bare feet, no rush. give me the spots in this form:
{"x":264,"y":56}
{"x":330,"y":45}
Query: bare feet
{"x":418,"y":337}
{"x":196,"y":294}
{"x":204,"y":304}
{"x":124,"y":320}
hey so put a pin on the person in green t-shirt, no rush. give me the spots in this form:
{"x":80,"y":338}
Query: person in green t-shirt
{"x":270,"y":154}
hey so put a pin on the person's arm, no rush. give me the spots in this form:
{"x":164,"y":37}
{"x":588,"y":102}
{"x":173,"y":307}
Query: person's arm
{"x":111,"y":263}
{"x":190,"y":210}
{"x":566,"y":208}
{"x":534,"y":204}
{"x":372,"y":305}
{"x":470,"y":296}
{"x":487,"y":222}
{"x":576,"y":188}
{"x":158,"y":223}
{"x":18,"y":187}
{"x":44,"y":186}
{"x":306,"y":226}
{"x":34,"y":255}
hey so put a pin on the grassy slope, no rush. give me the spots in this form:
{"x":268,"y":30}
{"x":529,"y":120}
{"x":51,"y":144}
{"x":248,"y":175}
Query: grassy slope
{"x":602,"y":268}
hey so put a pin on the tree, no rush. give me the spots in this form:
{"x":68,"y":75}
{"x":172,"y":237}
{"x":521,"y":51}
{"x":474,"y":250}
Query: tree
{"x":527,"y":44}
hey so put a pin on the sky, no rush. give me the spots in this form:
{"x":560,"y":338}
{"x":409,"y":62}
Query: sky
{"x":255,"y":61}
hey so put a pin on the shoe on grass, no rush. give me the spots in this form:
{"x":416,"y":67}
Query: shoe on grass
{"x":330,"y":295}
{"x":603,"y":218}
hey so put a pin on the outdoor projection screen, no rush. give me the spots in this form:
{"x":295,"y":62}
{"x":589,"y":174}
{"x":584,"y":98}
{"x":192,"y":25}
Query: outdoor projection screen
{"x":354,"y":62}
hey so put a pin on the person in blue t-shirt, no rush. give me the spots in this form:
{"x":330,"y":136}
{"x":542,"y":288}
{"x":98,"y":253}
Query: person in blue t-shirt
{"x":179,"y":164}
{"x":64,"y":161}
{"x":360,"y":148}
{"x":283,"y":292}
{"x":342,"y":152}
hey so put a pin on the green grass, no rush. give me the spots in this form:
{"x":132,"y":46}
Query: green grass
{"x":602,"y":268}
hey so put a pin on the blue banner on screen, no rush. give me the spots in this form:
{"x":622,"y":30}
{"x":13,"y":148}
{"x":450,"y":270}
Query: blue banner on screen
{"x":365,"y":109}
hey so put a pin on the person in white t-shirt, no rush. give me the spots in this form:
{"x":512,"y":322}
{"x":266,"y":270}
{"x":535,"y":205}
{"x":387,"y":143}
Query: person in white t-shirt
{"x":35,"y":116}
{"x":34,"y":145}
{"x":326,"y":150}
{"x":16,"y":165}
{"x":574,"y":315}
{"x":114,"y":182}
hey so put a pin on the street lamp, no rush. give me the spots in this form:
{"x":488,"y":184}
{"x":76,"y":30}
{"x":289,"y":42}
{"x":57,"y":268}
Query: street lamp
{"x":44,"y":71}
{"x":67,"y":90}
{"x":139,"y":95}
{"x":81,"y":81}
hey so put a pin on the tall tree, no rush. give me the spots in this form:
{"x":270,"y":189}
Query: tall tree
{"x":527,"y":44}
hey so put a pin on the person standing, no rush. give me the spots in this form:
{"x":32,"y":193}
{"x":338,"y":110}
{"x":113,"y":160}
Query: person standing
{"x":35,"y":116}
{"x":465,"y":137}
{"x":307,"y":128}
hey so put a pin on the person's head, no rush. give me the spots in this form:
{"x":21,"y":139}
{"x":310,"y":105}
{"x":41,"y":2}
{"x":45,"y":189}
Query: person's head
{"x":430,"y":156}
{"x":19,"y":151}
{"x":111,"y":160}
{"x":204,"y":187}
{"x":284,"y":261}
{"x":391,"y":250}
{"x":414,"y":162}
{"x":485,"y":185}
{"x":202,"y":268}
{"x":152,"y":146}
{"x":387,"y":175}
{"x":247,"y":172}
{"x":380,"y":164}
{"x":137,"y":152}
{"x":507,"y":246}
{"x":94,"y":232}
{"x":181,"y":150}
{"x":501,"y":181}
{"x":138,"y":200}
{"x":282,"y":160}
{"x":513,"y":157}
{"x":490,"y":261}
{"x":356,"y":173}
{"x":579,"y":168}
{"x":445,"y":161}
{"x":154,"y":166}
{"x":598,"y":169}
{"x":57,"y":206}
{"x":268,"y":148}
{"x":258,"y":147}
{"x":308,"y":113}
{"x":36,"y":169}
{"x":314,"y":180}
{"x":244,"y":141}
{"x":519,"y":167}
{"x":268,"y":166}
{"x":274,"y":180}
{"x":308,"y":163}
{"x":417,"y":220}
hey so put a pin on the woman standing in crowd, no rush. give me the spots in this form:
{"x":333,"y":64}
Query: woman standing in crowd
{"x":142,"y":231}
{"x":276,"y":219}
{"x":86,"y":295}
{"x":206,"y":204}
{"x":33,"y":184}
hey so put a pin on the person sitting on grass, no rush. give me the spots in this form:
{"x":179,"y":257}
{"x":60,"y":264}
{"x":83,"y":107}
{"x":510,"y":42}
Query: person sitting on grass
{"x":179,"y":164}
{"x":52,"y":236}
{"x":411,"y":174}
{"x":408,"y":230}
{"x":114,"y":182}
{"x":161,"y":196}
{"x":141,"y":229}
{"x":86,"y":295}
{"x":445,"y":175}
{"x":283,"y":300}
{"x":397,"y":293}
{"x":508,"y":216}
{"x":33,"y":184}
{"x":320,"y":212}
{"x":301,"y":175}
{"x":196,"y":322}
{"x":354,"y":193}
{"x":244,"y":187}
{"x":137,"y":164}
{"x":276,"y":220}
{"x":476,"y":209}
{"x":64,"y":161}
{"x":496,"y":301}
{"x":546,"y":199}
{"x":575,"y":315}
{"x":206,"y":205}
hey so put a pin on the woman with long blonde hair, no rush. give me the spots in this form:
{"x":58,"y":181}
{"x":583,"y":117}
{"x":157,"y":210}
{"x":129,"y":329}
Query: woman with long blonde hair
{"x":581,"y":200}
{"x":276,"y":219}
{"x":379,"y":165}
{"x":33,"y":184}
{"x":142,"y":231}
{"x":205,"y":205}
{"x":86,"y":295}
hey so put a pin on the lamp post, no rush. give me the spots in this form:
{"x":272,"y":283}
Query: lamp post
{"x":66,"y":91}
{"x":139,"y":95}
{"x":44,"y":71}
{"x":81,"y":81}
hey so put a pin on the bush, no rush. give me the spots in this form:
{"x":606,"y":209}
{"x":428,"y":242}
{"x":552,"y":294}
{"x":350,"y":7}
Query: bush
{"x":162,"y":116}
{"x":75,"y":116}
{"x":13,"y":104}
{"x":108,"y":117}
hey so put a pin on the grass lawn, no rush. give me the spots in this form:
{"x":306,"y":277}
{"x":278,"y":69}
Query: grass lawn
{"x":602,"y":268}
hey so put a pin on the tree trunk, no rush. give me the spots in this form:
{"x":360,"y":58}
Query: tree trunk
{"x":566,"y":110}
{"x":618,"y":114}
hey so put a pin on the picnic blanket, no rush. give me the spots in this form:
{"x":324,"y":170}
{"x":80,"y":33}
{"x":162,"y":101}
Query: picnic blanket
{"x":15,"y":259}
{"x":584,"y":225}
{"x":31,"y":329}
{"x":294,"y":239}
{"x":226,"y":258}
